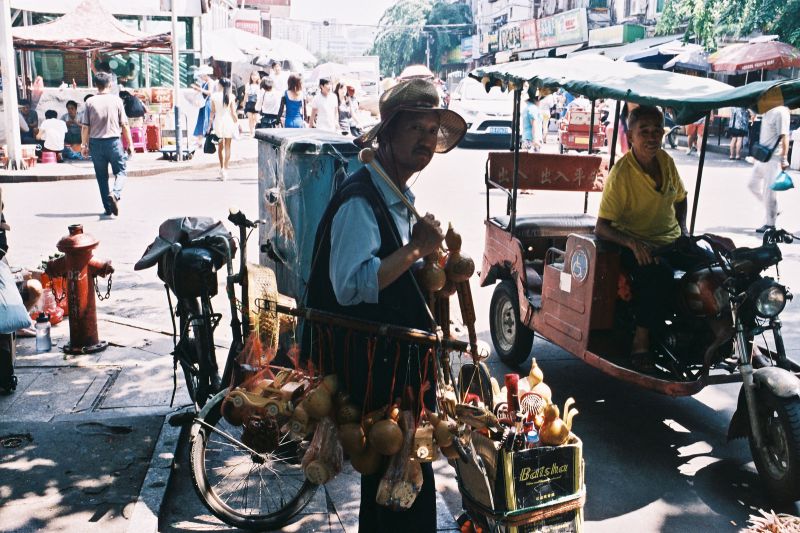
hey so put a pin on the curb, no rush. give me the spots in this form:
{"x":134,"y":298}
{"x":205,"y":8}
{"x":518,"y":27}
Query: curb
{"x":39,"y":178}
{"x":153,"y":492}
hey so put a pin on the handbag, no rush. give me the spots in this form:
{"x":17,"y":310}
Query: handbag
{"x":210,"y":146}
{"x":763,"y":153}
{"x":783,"y":182}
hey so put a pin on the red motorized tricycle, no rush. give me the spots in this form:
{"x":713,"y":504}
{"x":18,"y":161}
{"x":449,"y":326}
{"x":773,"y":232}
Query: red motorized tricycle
{"x":574,"y":127}
{"x":553,"y":276}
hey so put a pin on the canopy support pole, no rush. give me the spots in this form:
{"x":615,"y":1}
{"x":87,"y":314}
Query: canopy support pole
{"x":591,"y":145}
{"x":176,"y":83}
{"x":515,"y":140}
{"x":699,"y":181}
{"x":612,"y":156}
{"x":89,"y":70}
{"x":9,"y":76}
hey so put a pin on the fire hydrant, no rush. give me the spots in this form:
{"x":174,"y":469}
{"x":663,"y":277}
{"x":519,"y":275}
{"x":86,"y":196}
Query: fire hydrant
{"x":79,"y":268}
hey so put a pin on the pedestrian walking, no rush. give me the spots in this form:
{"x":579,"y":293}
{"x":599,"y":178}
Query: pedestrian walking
{"x":774,"y":135}
{"x":268,"y":104}
{"x":292,"y":111}
{"x":531,"y":123}
{"x":205,"y":88}
{"x":324,"y":108}
{"x":224,"y":123}
{"x":251,"y":93}
{"x":738,"y":128}
{"x":101,"y":125}
{"x":366,"y":246}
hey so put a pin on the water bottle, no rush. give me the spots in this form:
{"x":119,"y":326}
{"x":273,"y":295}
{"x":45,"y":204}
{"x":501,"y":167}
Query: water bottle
{"x":43,"y":342}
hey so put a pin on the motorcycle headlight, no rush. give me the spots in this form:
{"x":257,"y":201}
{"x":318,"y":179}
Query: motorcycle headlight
{"x":770,"y":301}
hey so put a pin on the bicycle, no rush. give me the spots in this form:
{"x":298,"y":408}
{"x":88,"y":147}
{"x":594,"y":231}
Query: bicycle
{"x":242,"y":486}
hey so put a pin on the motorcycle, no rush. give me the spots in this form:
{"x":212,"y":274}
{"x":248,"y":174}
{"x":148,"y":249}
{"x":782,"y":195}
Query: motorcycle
{"x":722,"y":306}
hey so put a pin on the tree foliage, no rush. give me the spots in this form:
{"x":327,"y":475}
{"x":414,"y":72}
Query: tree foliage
{"x":408,"y":24}
{"x":705,"y":21}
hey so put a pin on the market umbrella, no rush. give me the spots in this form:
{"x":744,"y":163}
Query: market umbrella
{"x":283,"y":50}
{"x":416,"y":71}
{"x":221,"y":48}
{"x":696,"y":60}
{"x":740,"y":57}
{"x":331,"y":71}
{"x":243,"y":40}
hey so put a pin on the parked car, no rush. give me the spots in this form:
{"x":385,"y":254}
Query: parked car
{"x":488,"y":115}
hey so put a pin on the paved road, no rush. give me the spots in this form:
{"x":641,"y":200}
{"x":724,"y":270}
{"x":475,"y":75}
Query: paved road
{"x":652,"y":463}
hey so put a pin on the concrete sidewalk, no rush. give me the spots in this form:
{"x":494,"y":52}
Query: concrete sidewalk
{"x":85,"y":445}
{"x":244,"y":151}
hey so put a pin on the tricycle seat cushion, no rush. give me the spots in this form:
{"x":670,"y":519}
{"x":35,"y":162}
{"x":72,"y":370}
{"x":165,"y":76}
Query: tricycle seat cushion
{"x":531,"y":226}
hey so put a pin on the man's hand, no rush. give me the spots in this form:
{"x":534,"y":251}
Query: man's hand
{"x":784,"y":163}
{"x":84,"y":150}
{"x":427,"y":235}
{"x":642,"y":251}
{"x":129,"y":152}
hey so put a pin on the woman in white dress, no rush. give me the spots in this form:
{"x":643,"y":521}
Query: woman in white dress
{"x":224,"y":123}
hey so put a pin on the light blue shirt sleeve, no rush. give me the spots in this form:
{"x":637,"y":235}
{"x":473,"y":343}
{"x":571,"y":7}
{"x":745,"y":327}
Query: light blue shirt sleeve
{"x":354,"y":262}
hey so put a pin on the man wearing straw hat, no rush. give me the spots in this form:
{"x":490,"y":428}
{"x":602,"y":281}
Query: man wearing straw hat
{"x":366,"y":245}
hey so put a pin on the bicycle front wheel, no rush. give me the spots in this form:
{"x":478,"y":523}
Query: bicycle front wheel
{"x":245,"y":488}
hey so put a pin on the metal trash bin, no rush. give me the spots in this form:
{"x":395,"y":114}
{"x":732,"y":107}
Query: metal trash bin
{"x":298,"y":172}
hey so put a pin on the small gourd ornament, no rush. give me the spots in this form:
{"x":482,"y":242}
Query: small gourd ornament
{"x":459,"y":267}
{"x":554,"y":430}
{"x":536,"y":382}
{"x":431,"y":276}
{"x":386,"y":437}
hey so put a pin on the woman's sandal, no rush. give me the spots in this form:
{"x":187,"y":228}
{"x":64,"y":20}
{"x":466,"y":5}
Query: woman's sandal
{"x":644,"y":362}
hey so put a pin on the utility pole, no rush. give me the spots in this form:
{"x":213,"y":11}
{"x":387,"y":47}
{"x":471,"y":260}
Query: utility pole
{"x":10,"y":104}
{"x":176,"y":81}
{"x":427,"y":49}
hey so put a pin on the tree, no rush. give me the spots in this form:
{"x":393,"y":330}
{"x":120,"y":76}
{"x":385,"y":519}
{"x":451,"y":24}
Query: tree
{"x":408,"y":24}
{"x":401,"y":40}
{"x":706,"y":20}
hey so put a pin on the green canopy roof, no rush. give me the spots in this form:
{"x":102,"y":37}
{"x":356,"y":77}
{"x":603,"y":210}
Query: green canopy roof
{"x":596,"y":77}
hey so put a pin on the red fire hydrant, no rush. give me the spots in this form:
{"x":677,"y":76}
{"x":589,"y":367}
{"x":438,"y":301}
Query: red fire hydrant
{"x":80,"y":268}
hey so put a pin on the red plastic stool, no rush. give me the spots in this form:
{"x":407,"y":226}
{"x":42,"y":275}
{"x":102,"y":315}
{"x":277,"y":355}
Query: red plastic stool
{"x":49,"y":157}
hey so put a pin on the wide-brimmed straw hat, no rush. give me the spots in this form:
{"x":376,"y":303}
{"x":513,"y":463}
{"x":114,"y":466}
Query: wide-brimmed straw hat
{"x":418,"y":96}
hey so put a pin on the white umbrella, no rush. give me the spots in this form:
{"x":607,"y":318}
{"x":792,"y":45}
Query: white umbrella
{"x":222,"y":49}
{"x":331,"y":71}
{"x":243,"y":40}
{"x":284,"y":50}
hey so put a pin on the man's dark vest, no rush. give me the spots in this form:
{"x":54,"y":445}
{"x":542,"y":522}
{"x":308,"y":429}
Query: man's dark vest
{"x":401,"y":303}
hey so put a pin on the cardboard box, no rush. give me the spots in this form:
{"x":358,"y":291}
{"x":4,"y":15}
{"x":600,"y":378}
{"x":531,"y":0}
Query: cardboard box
{"x":540,"y":489}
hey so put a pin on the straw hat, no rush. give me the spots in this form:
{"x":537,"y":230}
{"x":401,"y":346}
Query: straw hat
{"x":419,"y":96}
{"x":204,"y":69}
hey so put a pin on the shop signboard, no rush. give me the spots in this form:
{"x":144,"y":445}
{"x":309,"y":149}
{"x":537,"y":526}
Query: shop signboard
{"x":492,"y":38}
{"x":569,"y":27}
{"x":527,"y":30}
{"x":509,"y":37}
{"x":619,"y":34}
{"x":454,"y":55}
{"x":466,"y":46}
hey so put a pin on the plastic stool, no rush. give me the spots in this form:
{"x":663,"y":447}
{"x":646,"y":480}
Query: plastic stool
{"x":49,"y":157}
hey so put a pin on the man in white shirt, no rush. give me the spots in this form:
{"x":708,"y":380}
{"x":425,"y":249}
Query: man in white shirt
{"x":325,"y":108}
{"x":774,"y":129}
{"x":280,"y":78}
{"x":52,"y":131}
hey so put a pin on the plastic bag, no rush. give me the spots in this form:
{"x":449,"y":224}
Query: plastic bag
{"x":783,"y":182}
{"x":13,"y":314}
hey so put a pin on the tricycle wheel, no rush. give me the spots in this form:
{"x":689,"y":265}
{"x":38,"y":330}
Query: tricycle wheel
{"x":778,"y":461}
{"x":512,"y":340}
